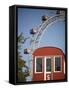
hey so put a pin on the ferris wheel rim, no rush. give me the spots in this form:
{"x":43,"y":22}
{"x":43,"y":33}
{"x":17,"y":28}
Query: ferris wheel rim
{"x":46,"y":29}
{"x":49,"y":25}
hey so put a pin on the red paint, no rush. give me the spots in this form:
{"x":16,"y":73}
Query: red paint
{"x":48,"y":51}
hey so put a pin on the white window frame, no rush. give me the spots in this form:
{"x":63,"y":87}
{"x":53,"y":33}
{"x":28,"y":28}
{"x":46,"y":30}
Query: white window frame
{"x":64,"y":66}
{"x":61,"y":63}
{"x":45,"y":63}
{"x":35,"y":63}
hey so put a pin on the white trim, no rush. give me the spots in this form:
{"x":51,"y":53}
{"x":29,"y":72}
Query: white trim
{"x":45,"y":72}
{"x":35,"y":64}
{"x":45,"y":63}
{"x":64,"y":66}
{"x":44,"y":68}
{"x":61,"y":62}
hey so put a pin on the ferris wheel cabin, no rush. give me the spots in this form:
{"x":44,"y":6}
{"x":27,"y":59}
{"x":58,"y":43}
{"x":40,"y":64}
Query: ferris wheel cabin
{"x":48,"y":64}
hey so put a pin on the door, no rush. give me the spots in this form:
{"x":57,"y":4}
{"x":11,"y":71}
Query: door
{"x":48,"y":68}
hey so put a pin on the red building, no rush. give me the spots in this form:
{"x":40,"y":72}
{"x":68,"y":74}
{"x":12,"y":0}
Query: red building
{"x":48,"y":64}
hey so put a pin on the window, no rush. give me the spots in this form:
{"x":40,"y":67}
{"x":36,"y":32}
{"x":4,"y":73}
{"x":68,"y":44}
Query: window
{"x":48,"y":64}
{"x":57,"y":63}
{"x":38,"y":65}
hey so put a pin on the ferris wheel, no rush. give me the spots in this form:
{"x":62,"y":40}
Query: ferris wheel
{"x":37,"y":32}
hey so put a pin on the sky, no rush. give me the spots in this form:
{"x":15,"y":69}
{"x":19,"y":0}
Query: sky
{"x":54,"y":35}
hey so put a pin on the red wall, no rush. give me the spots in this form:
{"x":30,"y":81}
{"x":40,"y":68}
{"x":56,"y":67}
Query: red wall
{"x":48,"y":51}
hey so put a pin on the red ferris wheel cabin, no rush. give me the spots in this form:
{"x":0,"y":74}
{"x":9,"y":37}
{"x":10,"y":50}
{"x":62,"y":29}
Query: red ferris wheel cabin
{"x":48,"y":64}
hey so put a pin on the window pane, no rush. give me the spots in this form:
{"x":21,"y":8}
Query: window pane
{"x":39,"y":65}
{"x":57,"y":64}
{"x":48,"y":64}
